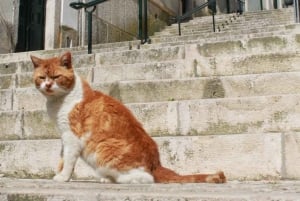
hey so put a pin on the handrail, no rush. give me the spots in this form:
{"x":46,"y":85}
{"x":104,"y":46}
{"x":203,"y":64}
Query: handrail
{"x":80,"y":5}
{"x":194,"y":10}
{"x":209,"y":3}
{"x":93,"y":4}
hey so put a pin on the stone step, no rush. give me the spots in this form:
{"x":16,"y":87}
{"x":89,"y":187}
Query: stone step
{"x":280,"y":16}
{"x":175,"y":50}
{"x":200,"y":20}
{"x":266,"y":13}
{"x":176,"y":89}
{"x":140,"y":56}
{"x":229,"y":24}
{"x":240,"y":25}
{"x":105,"y":47}
{"x":227,"y":30}
{"x":46,"y":190}
{"x":173,"y":69}
{"x":264,"y":156}
{"x":201,"y":37}
{"x":199,"y":66}
{"x":176,"y":118}
{"x":191,"y":66}
{"x":239,"y":34}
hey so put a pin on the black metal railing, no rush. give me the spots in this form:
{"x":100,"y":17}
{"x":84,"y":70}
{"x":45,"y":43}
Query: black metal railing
{"x":240,"y":6}
{"x":143,"y":21}
{"x":89,"y":8}
{"x":211,"y":4}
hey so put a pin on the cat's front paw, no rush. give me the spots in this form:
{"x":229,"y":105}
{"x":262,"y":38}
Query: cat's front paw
{"x":61,"y":178}
{"x":104,"y":180}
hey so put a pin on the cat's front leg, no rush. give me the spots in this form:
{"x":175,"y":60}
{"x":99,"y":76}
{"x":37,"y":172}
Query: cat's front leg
{"x":71,"y":151}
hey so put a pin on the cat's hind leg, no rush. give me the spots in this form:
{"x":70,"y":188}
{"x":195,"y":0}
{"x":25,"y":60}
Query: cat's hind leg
{"x":135,"y":176}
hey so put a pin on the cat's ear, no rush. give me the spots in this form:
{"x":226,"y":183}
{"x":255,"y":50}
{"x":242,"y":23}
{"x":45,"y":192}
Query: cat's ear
{"x":66,"y":60}
{"x":36,"y":61}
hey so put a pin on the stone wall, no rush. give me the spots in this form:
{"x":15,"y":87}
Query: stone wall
{"x":113,"y":21}
{"x":116,"y":20}
{"x":7,"y":28}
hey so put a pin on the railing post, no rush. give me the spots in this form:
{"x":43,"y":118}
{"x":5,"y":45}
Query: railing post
{"x":261,"y":5}
{"x":87,"y":6}
{"x":145,"y":21}
{"x":179,"y":26}
{"x":212,"y":5}
{"x":296,"y":7}
{"x":240,"y":5}
{"x":90,"y":27}
{"x":141,"y":20}
{"x":214,"y":24}
{"x":228,"y":6}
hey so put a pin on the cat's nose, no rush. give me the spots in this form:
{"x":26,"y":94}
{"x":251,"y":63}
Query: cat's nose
{"x":48,"y":85}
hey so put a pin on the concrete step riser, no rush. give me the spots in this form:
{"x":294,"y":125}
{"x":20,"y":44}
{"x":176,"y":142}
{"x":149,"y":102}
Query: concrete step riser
{"x":140,"y":56}
{"x":234,"y":25}
{"x":78,"y":51}
{"x":177,"y":69}
{"x":255,"y":45}
{"x":186,"y":155}
{"x":234,"y":47}
{"x":199,"y":117}
{"x":170,"y":90}
{"x":47,"y":190}
{"x":26,"y":66}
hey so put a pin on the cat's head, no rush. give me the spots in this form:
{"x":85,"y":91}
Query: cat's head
{"x":54,"y":76}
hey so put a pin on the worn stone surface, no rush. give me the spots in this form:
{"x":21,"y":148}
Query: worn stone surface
{"x":212,"y":101}
{"x":45,"y":190}
{"x":193,"y":117}
{"x":28,"y":99}
{"x":186,"y":155}
{"x":6,"y":81}
{"x":292,"y":154}
{"x":6,"y":100}
{"x":141,"y":56}
{"x":8,"y":68}
{"x":139,"y":91}
{"x":142,"y":71}
{"x":10,"y":125}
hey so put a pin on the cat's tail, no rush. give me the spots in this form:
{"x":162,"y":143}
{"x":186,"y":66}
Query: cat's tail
{"x":165,"y":175}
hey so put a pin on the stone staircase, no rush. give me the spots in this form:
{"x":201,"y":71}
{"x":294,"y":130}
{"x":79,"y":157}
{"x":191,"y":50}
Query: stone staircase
{"x":228,"y":100}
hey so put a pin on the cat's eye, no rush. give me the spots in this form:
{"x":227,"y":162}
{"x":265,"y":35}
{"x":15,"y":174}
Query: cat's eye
{"x":42,"y":77}
{"x":55,"y":77}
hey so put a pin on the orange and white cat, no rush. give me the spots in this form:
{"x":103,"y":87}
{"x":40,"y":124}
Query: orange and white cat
{"x":101,"y":130}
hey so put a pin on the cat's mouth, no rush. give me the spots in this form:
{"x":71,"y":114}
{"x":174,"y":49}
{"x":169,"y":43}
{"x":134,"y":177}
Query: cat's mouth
{"x":48,"y":91}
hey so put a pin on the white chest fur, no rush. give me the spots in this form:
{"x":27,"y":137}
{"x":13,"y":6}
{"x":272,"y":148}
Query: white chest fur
{"x":59,"y":108}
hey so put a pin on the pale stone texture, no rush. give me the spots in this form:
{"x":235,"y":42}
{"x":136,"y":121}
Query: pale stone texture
{"x":38,"y":190}
{"x":223,"y":104}
{"x":185,"y":155}
{"x":142,"y":56}
{"x":197,"y":117}
{"x":6,"y":99}
{"x":29,"y":99}
{"x":10,"y":125}
{"x":292,"y":155}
